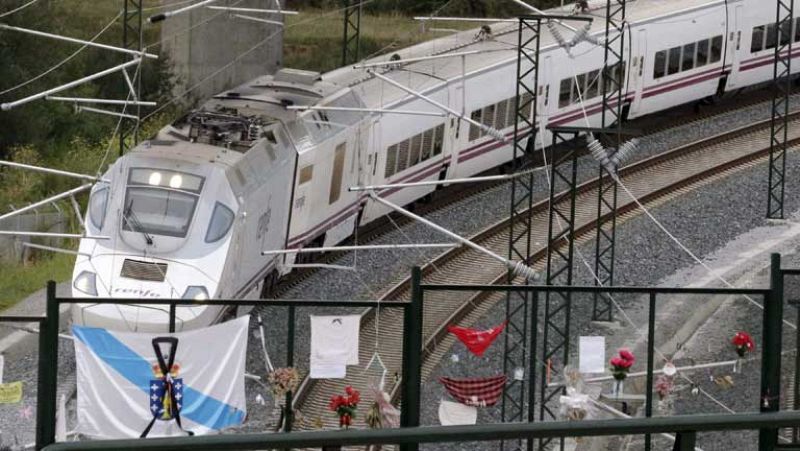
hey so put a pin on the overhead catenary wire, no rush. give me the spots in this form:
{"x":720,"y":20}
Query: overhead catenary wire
{"x":17,"y":9}
{"x":65,"y":60}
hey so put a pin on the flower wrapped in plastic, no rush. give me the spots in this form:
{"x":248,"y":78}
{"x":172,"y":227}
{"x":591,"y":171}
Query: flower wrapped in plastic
{"x":575,"y":406}
{"x":282,"y":381}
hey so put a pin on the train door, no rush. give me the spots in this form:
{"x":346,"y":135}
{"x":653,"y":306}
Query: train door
{"x":543,"y":102}
{"x":734,"y":46}
{"x":638,"y":72}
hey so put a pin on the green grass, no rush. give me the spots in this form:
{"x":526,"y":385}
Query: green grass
{"x":20,"y":281}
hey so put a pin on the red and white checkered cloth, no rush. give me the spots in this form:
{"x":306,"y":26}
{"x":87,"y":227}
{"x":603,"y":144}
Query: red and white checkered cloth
{"x":478,"y":392}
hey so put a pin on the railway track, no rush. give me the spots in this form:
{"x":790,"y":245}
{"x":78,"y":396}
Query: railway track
{"x":653,"y":180}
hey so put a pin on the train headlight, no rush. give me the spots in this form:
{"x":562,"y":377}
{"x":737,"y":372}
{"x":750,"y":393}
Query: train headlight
{"x":86,"y":282}
{"x":196,"y":293}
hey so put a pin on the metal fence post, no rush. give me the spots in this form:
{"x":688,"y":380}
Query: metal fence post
{"x":288,"y":410}
{"x":771,"y":352}
{"x":412,"y":345}
{"x":47,"y":377}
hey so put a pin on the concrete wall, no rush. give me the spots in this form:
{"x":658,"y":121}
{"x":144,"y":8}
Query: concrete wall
{"x":207,"y":48}
{"x":11,"y":248}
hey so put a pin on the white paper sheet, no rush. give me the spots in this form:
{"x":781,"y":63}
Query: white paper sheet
{"x":327,"y":372}
{"x":592,"y":354}
{"x":453,"y":413}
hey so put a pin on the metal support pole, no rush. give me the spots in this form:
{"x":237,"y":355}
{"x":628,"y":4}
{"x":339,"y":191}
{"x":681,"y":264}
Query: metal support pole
{"x":412,"y":364}
{"x":651,"y":346}
{"x":521,"y":216}
{"x":782,"y":87}
{"x":132,"y":18}
{"x":771,"y":354}
{"x":351,"y":40}
{"x":612,"y":83}
{"x":48,"y":372}
{"x":560,"y":249}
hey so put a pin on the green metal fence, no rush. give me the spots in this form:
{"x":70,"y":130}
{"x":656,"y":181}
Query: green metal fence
{"x":410,"y":435}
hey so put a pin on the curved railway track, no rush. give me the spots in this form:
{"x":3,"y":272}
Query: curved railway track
{"x":654,"y":180}
{"x":678,"y":116}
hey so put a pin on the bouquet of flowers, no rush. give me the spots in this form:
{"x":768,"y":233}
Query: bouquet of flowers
{"x":742,"y":343}
{"x":664,"y":386}
{"x":282,"y":381}
{"x":620,"y":366}
{"x":345,"y":406}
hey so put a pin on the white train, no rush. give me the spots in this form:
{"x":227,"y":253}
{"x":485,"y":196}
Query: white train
{"x":189,"y":211}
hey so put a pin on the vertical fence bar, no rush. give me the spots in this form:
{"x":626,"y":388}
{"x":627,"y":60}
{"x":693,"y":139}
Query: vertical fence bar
{"x":796,"y":430}
{"x":532,"y":363}
{"x":412,"y":369}
{"x":48,"y":365}
{"x":651,"y":346}
{"x":172,"y":312}
{"x":288,"y":410}
{"x":771,"y":354}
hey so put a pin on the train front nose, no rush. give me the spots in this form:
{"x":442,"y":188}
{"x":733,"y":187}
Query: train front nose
{"x":128,"y":277}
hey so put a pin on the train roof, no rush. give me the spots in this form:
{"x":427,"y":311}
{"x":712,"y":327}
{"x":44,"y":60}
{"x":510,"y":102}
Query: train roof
{"x":500,"y":49}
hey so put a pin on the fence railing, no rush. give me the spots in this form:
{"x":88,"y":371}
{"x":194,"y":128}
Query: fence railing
{"x":410,"y":435}
{"x":685,"y":427}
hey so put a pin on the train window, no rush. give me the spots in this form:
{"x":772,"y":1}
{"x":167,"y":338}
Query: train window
{"x":660,"y":66}
{"x":797,"y":29}
{"x":391,"y":161}
{"x":579,"y":91}
{"x":674,"y":63}
{"x":221,"y":222}
{"x":757,"y":43}
{"x":771,"y":38}
{"x":438,"y":140}
{"x":475,"y":132}
{"x":702,"y":53}
{"x":786,"y":33}
{"x":688,"y":57}
{"x":716,"y":49}
{"x":306,"y":173}
{"x":564,"y":93}
{"x":427,"y":144}
{"x":402,"y":155}
{"x":488,"y":116}
{"x":501,"y":121}
{"x":526,"y":104}
{"x":336,"y":175}
{"x":593,"y":84}
{"x":97,"y":207}
{"x":414,"y":151}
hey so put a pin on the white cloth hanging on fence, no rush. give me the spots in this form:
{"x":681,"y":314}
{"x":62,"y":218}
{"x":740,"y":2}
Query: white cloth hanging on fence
{"x":334,"y":344}
{"x":454,"y":413}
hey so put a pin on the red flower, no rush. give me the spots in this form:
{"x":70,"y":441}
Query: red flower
{"x":743,"y":340}
{"x":620,"y":363}
{"x":627,"y":355}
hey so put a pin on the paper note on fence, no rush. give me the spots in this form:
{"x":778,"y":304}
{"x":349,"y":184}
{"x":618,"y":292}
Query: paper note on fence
{"x":11,"y":393}
{"x":592,"y":354}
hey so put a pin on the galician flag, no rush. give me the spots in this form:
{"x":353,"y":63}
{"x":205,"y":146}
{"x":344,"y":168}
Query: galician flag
{"x":156,"y":385}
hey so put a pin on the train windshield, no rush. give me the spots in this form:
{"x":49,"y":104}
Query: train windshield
{"x":160,"y":202}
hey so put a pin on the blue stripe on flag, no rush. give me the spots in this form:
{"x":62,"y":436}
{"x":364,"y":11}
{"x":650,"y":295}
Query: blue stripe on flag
{"x":198,"y":407}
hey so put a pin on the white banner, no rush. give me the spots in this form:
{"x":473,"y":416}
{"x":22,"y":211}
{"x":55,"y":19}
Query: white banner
{"x":122,"y":388}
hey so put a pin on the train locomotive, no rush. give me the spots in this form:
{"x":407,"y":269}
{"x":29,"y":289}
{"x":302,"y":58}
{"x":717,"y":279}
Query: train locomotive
{"x":266,"y":165}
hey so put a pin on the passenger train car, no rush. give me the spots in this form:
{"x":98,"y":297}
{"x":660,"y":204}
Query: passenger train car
{"x":189,"y":211}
